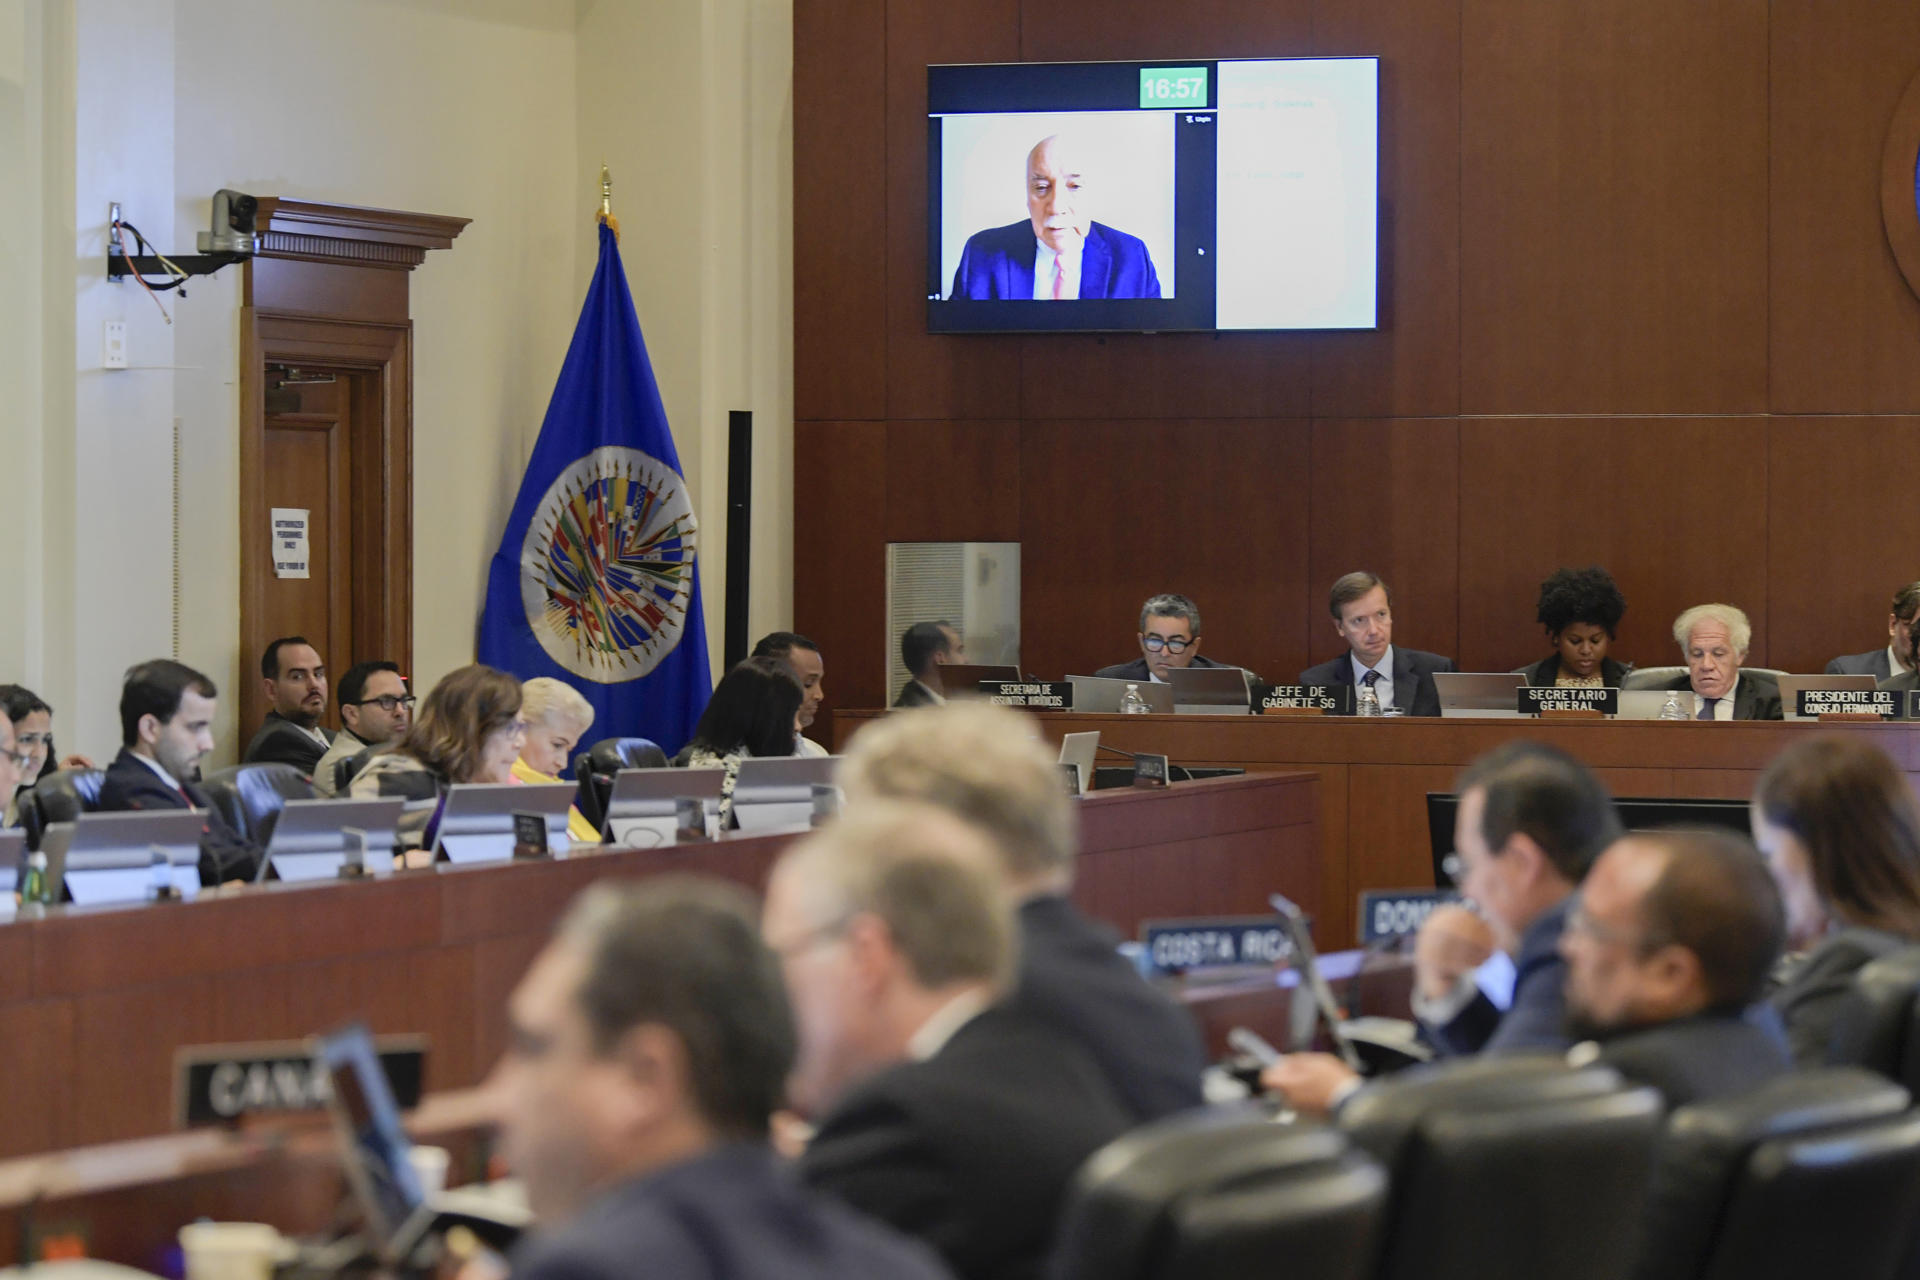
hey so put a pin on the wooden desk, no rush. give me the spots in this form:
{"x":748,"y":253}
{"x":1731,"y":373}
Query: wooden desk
{"x":1375,"y":774}
{"x":94,"y":1003}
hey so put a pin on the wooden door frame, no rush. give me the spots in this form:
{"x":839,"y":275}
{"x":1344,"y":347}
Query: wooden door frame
{"x":385,"y":352}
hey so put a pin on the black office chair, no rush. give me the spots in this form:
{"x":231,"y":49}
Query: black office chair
{"x":596,"y":766}
{"x":1814,"y":1174}
{"x":1219,"y":1194}
{"x":347,"y":768}
{"x":1879,"y":1023}
{"x":1507,"y":1168}
{"x":60,"y":796}
{"x":250,"y":796}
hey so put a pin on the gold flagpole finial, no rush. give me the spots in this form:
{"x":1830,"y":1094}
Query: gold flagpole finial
{"x":606,"y":201}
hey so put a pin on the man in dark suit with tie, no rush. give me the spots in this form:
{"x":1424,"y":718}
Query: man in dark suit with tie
{"x":1669,"y":947}
{"x":925,"y":647}
{"x":166,"y":729}
{"x":982,"y":764}
{"x":296,"y":681}
{"x":647,"y":1048}
{"x":1894,"y":658}
{"x":939,"y":1110}
{"x":1169,"y":640}
{"x":1401,"y":679}
{"x":1714,"y":639}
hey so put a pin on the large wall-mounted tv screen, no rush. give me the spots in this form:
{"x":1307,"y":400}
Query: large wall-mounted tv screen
{"x":1153,"y":196}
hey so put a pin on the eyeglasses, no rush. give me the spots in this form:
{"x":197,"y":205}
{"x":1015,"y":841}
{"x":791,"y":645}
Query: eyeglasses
{"x":28,"y":741}
{"x":1172,"y":644}
{"x":387,"y":702}
{"x":20,"y":758}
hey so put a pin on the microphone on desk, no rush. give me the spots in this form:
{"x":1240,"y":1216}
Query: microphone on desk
{"x":1175,"y":772}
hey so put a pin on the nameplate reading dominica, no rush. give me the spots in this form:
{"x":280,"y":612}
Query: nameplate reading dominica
{"x":1218,"y":942}
{"x":1885,"y":703}
{"x":1333,"y":699}
{"x":219,"y":1084}
{"x":1035,"y":695}
{"x":1397,"y":913}
{"x":1552,"y":698}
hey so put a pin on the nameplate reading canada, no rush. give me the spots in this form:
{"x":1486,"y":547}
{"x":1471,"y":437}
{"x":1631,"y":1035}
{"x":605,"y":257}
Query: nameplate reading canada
{"x":1860,"y":702}
{"x":1217,"y":942}
{"x":221,"y":1083}
{"x":1552,"y":698}
{"x":1035,"y":695}
{"x":1335,"y":699}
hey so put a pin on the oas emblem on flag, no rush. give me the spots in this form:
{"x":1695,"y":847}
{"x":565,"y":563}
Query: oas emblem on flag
{"x":606,"y":571}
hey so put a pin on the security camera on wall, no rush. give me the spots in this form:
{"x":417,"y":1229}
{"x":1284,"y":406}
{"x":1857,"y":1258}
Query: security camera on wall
{"x":232,"y":230}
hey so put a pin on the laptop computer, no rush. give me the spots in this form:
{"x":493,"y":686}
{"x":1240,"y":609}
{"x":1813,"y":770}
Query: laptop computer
{"x":778,"y":793}
{"x":310,"y":838}
{"x":476,"y":824}
{"x":1306,"y":963}
{"x":1210,"y":691}
{"x":1646,"y":704}
{"x":1480,"y":695}
{"x":1079,"y":750}
{"x":963,"y":681}
{"x":1092,"y":693}
{"x":1791,"y":687}
{"x":108,"y":858}
{"x":643,"y":810}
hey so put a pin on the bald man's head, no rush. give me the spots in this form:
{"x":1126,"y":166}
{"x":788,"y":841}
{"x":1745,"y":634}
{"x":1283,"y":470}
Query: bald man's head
{"x":1056,"y":195}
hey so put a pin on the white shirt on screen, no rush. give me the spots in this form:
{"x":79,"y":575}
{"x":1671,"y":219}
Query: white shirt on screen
{"x":1043,"y":260}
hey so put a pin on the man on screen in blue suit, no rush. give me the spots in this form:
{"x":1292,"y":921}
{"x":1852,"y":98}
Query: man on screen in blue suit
{"x":1059,"y":252}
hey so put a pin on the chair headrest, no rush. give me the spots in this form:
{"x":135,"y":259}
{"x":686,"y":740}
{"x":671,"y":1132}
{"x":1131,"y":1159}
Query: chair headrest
{"x":1799,"y":1102}
{"x":1383,"y":1117}
{"x":611,"y":755}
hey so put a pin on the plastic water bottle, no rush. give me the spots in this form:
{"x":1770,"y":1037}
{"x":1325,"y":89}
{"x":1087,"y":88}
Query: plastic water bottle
{"x":1132,"y":704}
{"x":34,"y":888}
{"x":1672,"y":710}
{"x":1365,"y":701}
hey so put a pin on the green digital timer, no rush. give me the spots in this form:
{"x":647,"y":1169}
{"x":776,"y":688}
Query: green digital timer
{"x":1173,"y":87}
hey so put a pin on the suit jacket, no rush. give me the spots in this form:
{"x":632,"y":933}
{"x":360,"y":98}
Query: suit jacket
{"x":971,"y":1150}
{"x":1876,"y":664}
{"x":325,"y":772}
{"x":1905,"y":680}
{"x":1073,"y":978}
{"x":225,"y":854}
{"x":1413,"y":670}
{"x":731,"y":1213}
{"x":998,"y":263}
{"x":281,"y":741}
{"x":1537,"y":1017}
{"x":1138,"y":671}
{"x":1544,"y":672}
{"x":1810,"y":997}
{"x":914,"y":694}
{"x":1710,"y":1055}
{"x":1756,"y":698}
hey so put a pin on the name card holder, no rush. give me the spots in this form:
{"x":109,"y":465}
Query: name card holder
{"x":1149,"y":770}
{"x":1552,"y":702}
{"x":1033,"y":695}
{"x":529,"y":836}
{"x":1850,"y":705}
{"x":1304,"y":700}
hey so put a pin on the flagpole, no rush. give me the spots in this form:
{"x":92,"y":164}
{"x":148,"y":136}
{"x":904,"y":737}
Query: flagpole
{"x":605,"y":216}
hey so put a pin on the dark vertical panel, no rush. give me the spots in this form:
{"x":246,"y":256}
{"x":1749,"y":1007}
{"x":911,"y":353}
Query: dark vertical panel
{"x":953,"y":482}
{"x":1613,"y":206}
{"x":1097,"y":30}
{"x":1837,"y":534}
{"x":1675,"y":509}
{"x":1410,"y":365}
{"x":840,"y":556}
{"x":928,"y":375}
{"x":1209,"y":509}
{"x":840,"y":213}
{"x":1386,"y":497}
{"x":1844,"y":324}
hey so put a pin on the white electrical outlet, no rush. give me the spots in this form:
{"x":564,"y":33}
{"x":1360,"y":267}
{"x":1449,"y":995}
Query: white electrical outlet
{"x":113,"y":348}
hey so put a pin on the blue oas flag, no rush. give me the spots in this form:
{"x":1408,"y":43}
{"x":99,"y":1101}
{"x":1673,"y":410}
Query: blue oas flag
{"x":595,"y":581}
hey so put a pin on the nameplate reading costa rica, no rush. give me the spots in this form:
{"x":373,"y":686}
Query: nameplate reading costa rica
{"x":221,"y":1083}
{"x":1035,"y":695}
{"x":1334,"y":698}
{"x":1864,"y":702}
{"x":1552,"y":698}
{"x":1213,"y":942}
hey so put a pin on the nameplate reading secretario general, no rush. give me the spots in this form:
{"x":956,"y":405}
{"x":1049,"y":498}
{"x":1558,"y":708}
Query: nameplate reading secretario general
{"x":1035,"y":695}
{"x":1336,"y":699}
{"x":1550,"y":698}
{"x":221,"y":1083}
{"x":1216,"y":942}
{"x":1397,"y":913}
{"x":1886,"y":703}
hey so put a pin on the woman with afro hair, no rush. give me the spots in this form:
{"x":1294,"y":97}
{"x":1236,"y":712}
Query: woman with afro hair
{"x":1580,"y":610}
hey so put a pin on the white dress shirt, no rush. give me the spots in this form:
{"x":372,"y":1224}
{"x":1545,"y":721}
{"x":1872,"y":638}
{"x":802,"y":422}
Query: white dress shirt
{"x":1043,"y":260}
{"x":160,"y":769}
{"x":1383,"y":687}
{"x":1723,"y":709}
{"x":807,"y":748}
{"x":932,"y":693}
{"x":1895,"y":664}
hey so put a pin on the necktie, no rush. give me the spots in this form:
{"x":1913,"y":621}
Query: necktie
{"x":1059,"y":278}
{"x":1370,"y":679}
{"x":1706,"y":708}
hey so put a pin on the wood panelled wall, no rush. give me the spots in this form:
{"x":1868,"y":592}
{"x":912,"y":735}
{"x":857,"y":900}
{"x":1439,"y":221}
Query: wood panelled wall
{"x":1637,"y":309}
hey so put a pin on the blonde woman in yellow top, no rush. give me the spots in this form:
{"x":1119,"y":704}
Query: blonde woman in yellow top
{"x":557,"y":718}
